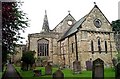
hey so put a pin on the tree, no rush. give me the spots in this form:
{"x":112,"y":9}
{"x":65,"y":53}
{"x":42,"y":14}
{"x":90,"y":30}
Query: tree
{"x":14,"y":20}
{"x":116,"y":29}
{"x":116,"y":25}
{"x":28,"y":58}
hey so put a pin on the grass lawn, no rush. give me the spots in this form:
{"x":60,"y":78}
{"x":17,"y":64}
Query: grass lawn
{"x":109,"y":72}
{"x":4,"y":70}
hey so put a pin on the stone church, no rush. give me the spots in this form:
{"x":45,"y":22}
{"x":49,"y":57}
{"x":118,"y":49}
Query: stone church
{"x":89,"y":38}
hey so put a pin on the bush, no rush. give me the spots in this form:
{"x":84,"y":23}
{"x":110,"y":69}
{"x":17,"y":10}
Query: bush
{"x":28,"y":59}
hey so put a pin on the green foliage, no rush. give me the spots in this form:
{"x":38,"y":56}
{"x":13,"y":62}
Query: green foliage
{"x":14,"y":20}
{"x":116,"y":25}
{"x":118,"y":57}
{"x":27,"y":60}
{"x":108,"y":72}
{"x":28,"y":57}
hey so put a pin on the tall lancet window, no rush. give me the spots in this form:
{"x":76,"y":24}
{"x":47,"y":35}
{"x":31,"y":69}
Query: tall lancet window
{"x":43,"y":47}
{"x":106,"y":46}
{"x":99,"y":46}
{"x":92,"y":47}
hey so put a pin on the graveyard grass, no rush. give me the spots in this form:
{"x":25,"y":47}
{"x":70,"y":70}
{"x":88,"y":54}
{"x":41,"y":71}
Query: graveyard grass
{"x":108,"y":72}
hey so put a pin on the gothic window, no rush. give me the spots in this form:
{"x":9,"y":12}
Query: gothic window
{"x":92,"y":47}
{"x":72,"y":48}
{"x":43,"y":47}
{"x":99,"y":46}
{"x":106,"y":46}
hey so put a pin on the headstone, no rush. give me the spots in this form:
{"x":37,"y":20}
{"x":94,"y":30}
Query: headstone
{"x":89,"y":65}
{"x":37,"y":72}
{"x":48,"y":69}
{"x":58,"y":74}
{"x":114,"y":61}
{"x":76,"y":66}
{"x":117,"y":71}
{"x":98,"y":69}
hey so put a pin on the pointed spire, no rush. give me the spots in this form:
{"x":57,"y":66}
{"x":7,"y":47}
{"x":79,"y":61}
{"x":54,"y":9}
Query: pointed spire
{"x":45,"y":27}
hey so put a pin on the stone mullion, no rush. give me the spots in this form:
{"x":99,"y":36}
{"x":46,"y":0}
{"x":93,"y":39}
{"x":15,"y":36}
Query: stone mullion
{"x":47,"y":45}
{"x":43,"y":49}
{"x":40,"y":49}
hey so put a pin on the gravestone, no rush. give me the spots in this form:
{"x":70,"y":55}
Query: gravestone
{"x":117,"y":71}
{"x":37,"y":73}
{"x":89,"y":65}
{"x":58,"y":75}
{"x":48,"y":69}
{"x":114,"y":61}
{"x":98,"y":69}
{"x":76,"y":66}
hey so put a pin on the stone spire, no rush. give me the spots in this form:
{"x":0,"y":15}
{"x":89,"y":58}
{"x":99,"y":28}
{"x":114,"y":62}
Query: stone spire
{"x":45,"y":27}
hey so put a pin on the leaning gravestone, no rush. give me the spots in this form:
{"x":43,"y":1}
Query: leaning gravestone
{"x":48,"y":69}
{"x":89,"y":65}
{"x":76,"y":66}
{"x":58,"y":75}
{"x":98,"y":69}
{"x":117,"y":71}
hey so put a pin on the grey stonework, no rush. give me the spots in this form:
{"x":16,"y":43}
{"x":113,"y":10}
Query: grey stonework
{"x":62,"y":41}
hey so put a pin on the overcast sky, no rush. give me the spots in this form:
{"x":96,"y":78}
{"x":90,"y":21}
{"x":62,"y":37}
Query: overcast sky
{"x":58,"y":9}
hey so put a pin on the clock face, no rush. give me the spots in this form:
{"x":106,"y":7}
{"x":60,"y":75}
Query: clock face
{"x":70,"y":22}
{"x":97,"y":23}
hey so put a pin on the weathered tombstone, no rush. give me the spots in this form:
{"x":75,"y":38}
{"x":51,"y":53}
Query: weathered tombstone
{"x":48,"y":69}
{"x":76,"y":66}
{"x":114,"y":61}
{"x":37,"y":72}
{"x":58,"y":74}
{"x":117,"y":71}
{"x":98,"y":69}
{"x":89,"y":65}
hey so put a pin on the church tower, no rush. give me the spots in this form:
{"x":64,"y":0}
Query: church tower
{"x":45,"y":27}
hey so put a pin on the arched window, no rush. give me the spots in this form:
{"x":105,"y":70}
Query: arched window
{"x":43,"y":47}
{"x":99,"y":46}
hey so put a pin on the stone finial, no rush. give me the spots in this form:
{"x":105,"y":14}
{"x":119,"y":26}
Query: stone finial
{"x":69,"y":11}
{"x":94,"y":3}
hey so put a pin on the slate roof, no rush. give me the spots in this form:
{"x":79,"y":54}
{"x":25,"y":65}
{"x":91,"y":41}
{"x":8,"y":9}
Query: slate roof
{"x":73,"y":29}
{"x":64,"y":19}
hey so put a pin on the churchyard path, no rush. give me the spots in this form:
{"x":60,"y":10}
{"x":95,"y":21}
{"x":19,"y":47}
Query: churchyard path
{"x":11,"y":73}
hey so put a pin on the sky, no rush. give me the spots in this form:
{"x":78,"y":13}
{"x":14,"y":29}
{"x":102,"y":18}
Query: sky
{"x":57,"y":10}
